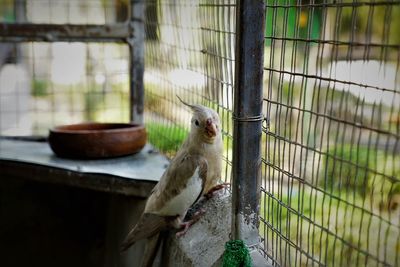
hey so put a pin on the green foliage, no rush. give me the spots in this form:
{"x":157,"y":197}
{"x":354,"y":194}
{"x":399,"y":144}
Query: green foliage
{"x":348,"y":166}
{"x":384,"y":186}
{"x":6,"y":11}
{"x":362,"y":169}
{"x":330,"y":230}
{"x":93,"y":100}
{"x":152,"y":99}
{"x":167,"y":138}
{"x":357,"y":21}
{"x":39,"y":88}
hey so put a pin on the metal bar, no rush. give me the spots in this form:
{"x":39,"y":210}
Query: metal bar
{"x":136,"y":69}
{"x":27,"y":32}
{"x":20,"y":17}
{"x":20,"y":11}
{"x":250,"y":25}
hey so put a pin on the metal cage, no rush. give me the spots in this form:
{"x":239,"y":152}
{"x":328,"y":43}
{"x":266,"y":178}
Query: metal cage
{"x":308,"y":92}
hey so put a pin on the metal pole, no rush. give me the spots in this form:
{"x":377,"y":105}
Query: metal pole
{"x":250,"y":25}
{"x":20,"y":17}
{"x":136,"y":49}
{"x":28,"y":32}
{"x":20,"y":11}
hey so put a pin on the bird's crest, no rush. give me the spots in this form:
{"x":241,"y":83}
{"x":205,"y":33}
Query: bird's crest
{"x":195,"y":108}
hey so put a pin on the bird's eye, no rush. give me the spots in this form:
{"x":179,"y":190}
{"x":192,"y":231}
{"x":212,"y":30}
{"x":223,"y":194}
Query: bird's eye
{"x":196,"y":122}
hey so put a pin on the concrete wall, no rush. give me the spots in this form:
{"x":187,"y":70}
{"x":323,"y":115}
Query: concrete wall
{"x":53,"y":225}
{"x":49,"y":225}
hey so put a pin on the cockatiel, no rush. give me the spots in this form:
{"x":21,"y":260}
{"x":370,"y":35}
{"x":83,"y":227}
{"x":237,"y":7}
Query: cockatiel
{"x":194,"y":171}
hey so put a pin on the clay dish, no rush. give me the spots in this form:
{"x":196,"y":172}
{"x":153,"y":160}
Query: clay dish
{"x":97,"y":140}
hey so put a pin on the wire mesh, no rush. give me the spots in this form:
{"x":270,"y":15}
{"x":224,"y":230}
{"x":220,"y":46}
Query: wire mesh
{"x":63,"y":83}
{"x":330,"y":190}
{"x":331,"y":163}
{"x":66,"y":12}
{"x":47,"y":84}
{"x":189,"y":53}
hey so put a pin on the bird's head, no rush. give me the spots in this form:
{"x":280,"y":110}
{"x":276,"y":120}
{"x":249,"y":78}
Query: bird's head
{"x":205,"y":122}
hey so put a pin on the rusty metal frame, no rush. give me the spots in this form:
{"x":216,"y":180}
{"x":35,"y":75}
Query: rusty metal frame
{"x":130,"y":33}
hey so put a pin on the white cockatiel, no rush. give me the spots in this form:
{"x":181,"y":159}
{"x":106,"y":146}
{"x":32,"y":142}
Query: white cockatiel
{"x":194,"y":171}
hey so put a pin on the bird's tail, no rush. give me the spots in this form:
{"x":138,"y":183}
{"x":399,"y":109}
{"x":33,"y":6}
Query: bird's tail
{"x":148,"y":226}
{"x":150,"y":252}
{"x":125,"y":245}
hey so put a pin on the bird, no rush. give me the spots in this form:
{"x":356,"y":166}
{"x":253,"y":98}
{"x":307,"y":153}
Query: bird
{"x":194,"y":172}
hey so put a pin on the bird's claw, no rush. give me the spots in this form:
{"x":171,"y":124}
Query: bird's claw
{"x":186,"y":225}
{"x":216,"y":188}
{"x":197,"y":215}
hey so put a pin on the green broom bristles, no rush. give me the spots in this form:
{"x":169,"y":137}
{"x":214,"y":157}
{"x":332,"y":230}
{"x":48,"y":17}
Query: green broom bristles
{"x":236,"y":254}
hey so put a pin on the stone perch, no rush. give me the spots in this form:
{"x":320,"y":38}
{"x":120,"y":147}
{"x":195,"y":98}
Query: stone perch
{"x":204,"y":244}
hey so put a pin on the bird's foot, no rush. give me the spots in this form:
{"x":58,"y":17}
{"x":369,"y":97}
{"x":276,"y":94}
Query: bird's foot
{"x":186,"y":225}
{"x":216,"y":188}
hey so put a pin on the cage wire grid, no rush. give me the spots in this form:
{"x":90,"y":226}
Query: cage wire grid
{"x":65,"y":12}
{"x":190,"y":54}
{"x":43,"y":84}
{"x":61,"y":83}
{"x":330,"y":188}
{"x":331,"y":139}
{"x":329,"y":184}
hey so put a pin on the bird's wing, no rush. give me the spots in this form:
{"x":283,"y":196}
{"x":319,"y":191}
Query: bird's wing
{"x":148,"y":225}
{"x":172,"y":184}
{"x":175,"y":180}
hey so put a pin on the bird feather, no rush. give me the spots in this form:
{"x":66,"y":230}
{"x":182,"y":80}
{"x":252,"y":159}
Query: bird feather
{"x":195,"y":169}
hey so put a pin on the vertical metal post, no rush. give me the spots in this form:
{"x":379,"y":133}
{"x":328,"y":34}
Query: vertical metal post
{"x":136,"y":65}
{"x":250,"y":25}
{"x":20,"y":17}
{"x":20,"y":11}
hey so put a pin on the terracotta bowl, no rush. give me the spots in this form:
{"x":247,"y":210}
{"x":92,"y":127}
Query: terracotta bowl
{"x":97,"y":140}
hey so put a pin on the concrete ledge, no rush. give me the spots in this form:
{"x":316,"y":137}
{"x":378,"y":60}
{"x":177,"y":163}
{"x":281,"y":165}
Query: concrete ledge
{"x":204,"y":243}
{"x":133,"y":175}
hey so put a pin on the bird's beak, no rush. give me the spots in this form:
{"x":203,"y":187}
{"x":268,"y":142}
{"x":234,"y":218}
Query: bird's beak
{"x":211,"y":129}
